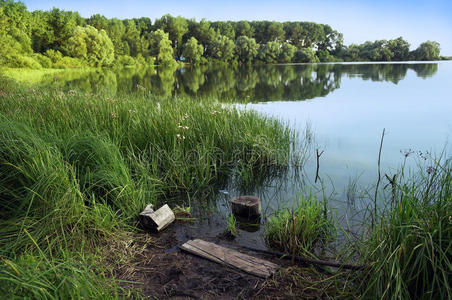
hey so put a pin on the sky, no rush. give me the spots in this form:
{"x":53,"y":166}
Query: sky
{"x":416,"y":21}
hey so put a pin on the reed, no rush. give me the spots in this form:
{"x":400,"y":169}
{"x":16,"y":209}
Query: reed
{"x":410,"y":248}
{"x":300,"y":228}
{"x":77,"y":168}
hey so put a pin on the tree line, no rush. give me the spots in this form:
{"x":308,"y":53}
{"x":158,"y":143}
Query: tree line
{"x":62,"y":39}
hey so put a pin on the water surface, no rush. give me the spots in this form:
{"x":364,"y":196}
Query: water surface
{"x":342,"y":107}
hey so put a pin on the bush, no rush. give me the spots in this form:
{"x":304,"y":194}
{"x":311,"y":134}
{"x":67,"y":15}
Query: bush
{"x":305,"y":55}
{"x":20,"y":61}
{"x":69,"y":62}
{"x":43,"y":60}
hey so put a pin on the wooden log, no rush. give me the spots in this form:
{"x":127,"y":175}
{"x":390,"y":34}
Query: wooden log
{"x":157,"y":220}
{"x":231,"y":258}
{"x":246,"y":206}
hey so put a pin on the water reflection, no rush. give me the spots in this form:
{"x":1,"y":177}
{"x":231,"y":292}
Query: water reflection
{"x":240,"y":83}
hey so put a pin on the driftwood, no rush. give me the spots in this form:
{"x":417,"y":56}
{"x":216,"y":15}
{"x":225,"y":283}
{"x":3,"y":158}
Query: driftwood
{"x":308,"y":260}
{"x":157,"y":220}
{"x":246,"y":206}
{"x":230,"y":257}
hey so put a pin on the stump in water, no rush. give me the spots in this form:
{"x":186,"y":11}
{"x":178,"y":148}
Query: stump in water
{"x":246,"y":206}
{"x":157,"y":220}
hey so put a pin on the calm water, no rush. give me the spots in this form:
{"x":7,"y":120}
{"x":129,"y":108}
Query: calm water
{"x":343,"y":107}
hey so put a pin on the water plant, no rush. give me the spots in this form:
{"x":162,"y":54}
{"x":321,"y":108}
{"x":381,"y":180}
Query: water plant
{"x":410,"y":248}
{"x":231,"y":229}
{"x":300,"y":227}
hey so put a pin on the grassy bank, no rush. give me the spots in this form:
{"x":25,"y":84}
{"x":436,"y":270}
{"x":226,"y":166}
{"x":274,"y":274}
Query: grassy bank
{"x":409,"y":250}
{"x":406,"y":251}
{"x":77,"y":169}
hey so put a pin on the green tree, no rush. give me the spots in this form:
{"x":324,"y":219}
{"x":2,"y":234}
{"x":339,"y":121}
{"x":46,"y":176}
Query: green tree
{"x":225,"y":29}
{"x":427,"y":51}
{"x":160,"y":47}
{"x":275,"y":32}
{"x":246,"y":49}
{"x":352,"y":53}
{"x":400,"y":49}
{"x":243,"y":28}
{"x":222,"y":48}
{"x":175,"y":27}
{"x":305,"y":55}
{"x":294,"y":33}
{"x":192,"y":51}
{"x":287,"y":53}
{"x":91,"y":45}
{"x":269,"y":52}
{"x":63,"y":24}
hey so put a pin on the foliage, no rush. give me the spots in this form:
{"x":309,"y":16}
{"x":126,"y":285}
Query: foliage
{"x":192,"y":51}
{"x":91,"y":45}
{"x":287,"y":53}
{"x":160,"y":47}
{"x":305,"y":55}
{"x":246,"y":49}
{"x":222,"y":48}
{"x":427,"y":51}
{"x":269,"y":53}
{"x":97,"y":40}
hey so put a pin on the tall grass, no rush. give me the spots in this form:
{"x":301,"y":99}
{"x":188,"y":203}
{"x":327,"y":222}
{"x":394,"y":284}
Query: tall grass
{"x":410,"y":248}
{"x":300,"y":228}
{"x":76,"y":169}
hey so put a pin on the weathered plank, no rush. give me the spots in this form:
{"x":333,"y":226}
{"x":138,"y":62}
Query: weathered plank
{"x":230,"y":257}
{"x":157,"y":220}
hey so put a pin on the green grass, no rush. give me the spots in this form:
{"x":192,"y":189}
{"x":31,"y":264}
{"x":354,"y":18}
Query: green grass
{"x":76,"y":169}
{"x":302,"y":226}
{"x":231,"y":228}
{"x":410,"y":248}
{"x":41,"y":76}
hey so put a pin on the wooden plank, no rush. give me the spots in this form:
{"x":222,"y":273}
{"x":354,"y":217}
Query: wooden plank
{"x":230,"y":257}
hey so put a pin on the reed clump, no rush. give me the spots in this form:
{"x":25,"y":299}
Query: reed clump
{"x":301,"y":228}
{"x":410,"y":248}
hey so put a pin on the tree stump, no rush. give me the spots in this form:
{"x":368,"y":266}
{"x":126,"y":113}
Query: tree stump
{"x":157,"y":220}
{"x":246,"y":206}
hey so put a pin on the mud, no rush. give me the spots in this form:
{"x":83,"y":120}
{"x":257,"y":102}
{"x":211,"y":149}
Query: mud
{"x":159,"y":270}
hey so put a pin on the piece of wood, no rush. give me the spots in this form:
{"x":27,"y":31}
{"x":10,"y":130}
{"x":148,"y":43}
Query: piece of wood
{"x":231,"y":258}
{"x":157,"y":220}
{"x":246,"y":206}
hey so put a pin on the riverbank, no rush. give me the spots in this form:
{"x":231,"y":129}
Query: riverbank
{"x":78,"y":167}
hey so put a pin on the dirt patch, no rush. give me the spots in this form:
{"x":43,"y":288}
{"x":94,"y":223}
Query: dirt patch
{"x":161,"y":271}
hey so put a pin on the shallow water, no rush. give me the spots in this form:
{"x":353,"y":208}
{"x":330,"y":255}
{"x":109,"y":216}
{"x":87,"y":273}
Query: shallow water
{"x":341,"y":108}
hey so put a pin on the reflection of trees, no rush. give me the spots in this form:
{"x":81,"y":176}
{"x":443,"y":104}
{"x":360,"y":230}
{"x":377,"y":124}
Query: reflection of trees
{"x":99,"y":81}
{"x":425,"y":70}
{"x":192,"y":79}
{"x":221,"y":81}
{"x":244,"y":83}
{"x":389,"y":72}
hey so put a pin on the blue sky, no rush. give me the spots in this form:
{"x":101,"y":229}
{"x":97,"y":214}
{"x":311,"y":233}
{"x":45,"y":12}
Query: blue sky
{"x":359,"y":21}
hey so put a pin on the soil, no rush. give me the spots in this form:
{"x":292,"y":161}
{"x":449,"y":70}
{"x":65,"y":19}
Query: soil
{"x":160,"y":270}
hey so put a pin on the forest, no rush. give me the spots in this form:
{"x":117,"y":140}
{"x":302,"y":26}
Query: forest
{"x":64,"y":39}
